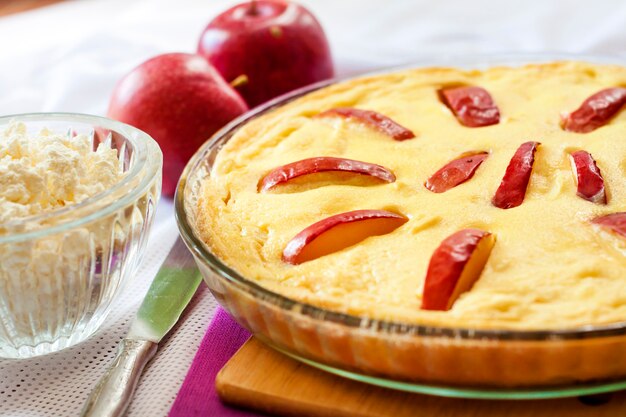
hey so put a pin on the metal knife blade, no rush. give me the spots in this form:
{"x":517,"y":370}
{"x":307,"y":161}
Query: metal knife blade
{"x":168,"y":295}
{"x":170,"y":292}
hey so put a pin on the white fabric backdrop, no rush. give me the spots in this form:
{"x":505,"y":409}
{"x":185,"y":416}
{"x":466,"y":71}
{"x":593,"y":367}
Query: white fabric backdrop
{"x":68,"y":57}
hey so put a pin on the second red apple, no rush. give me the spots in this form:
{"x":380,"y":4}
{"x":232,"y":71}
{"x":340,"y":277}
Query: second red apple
{"x":269,"y":46}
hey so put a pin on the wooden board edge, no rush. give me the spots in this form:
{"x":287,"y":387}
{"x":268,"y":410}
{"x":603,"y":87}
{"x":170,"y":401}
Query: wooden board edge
{"x":241,"y":396}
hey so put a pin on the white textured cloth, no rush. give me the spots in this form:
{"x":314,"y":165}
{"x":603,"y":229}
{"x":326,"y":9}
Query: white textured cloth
{"x":68,"y":57}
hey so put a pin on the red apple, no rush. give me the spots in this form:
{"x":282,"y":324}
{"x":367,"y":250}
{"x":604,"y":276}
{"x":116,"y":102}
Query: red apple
{"x":322,"y":164}
{"x":455,"y":172}
{"x":472,"y":106}
{"x":615,"y":222}
{"x":178,"y":99}
{"x":512,"y":189}
{"x":595,"y":111}
{"x":275,"y":46}
{"x":455,"y":266}
{"x":373,"y":119}
{"x":338,"y":232}
{"x":588,"y":178}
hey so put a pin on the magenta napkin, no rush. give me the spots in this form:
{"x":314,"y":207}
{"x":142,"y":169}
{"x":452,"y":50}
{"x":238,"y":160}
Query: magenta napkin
{"x":197,"y":396}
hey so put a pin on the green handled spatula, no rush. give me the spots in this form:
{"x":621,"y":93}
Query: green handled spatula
{"x":169,"y":294}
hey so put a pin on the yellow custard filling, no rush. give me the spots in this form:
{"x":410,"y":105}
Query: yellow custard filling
{"x":550,"y":267}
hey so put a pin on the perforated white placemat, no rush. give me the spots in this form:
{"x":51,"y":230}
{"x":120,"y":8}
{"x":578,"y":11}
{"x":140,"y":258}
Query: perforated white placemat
{"x":58,"y":384}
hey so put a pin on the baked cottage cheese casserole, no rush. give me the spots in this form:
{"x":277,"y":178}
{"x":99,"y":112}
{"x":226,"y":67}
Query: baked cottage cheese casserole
{"x":473,"y":202}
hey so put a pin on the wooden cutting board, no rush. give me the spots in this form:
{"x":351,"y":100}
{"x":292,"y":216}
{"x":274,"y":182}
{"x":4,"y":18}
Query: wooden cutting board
{"x":262,"y":379}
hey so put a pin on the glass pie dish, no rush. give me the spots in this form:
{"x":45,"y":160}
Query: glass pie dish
{"x":463,"y":362}
{"x":62,"y":270}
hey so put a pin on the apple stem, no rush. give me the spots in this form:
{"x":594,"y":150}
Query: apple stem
{"x":253,"y":10}
{"x":239,"y":81}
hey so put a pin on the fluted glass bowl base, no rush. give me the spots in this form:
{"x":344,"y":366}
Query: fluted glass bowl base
{"x":45,"y":348}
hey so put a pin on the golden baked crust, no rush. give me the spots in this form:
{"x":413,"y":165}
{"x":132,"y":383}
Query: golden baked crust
{"x":549,"y":269}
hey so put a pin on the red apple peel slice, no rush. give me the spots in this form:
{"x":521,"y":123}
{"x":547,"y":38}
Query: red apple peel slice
{"x":512,"y":189}
{"x":455,"y":172}
{"x":308,"y":166}
{"x":455,"y":266}
{"x":588,"y":178}
{"x":595,"y":111}
{"x":615,"y":222}
{"x":472,"y":106}
{"x":339,"y":232}
{"x":373,"y":119}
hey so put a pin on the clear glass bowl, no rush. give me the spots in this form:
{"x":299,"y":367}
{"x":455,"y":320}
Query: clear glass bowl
{"x":61,"y":271}
{"x":456,"y":362}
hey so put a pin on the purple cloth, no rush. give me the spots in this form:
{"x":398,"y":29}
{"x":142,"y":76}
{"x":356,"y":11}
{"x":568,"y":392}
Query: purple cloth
{"x":197,"y":396}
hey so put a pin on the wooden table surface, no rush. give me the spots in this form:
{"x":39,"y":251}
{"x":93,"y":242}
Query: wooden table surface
{"x":8,"y":7}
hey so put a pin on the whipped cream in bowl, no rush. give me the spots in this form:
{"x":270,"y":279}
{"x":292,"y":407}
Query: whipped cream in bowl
{"x":77,"y":199}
